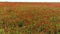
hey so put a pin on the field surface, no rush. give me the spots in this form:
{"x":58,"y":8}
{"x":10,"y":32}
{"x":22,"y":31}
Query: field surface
{"x":29,"y":18}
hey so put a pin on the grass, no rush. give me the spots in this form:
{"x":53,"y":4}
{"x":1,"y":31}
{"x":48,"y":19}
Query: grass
{"x":29,"y":19}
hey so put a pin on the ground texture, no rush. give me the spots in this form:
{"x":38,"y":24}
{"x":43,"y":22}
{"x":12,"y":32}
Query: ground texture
{"x":29,"y":18}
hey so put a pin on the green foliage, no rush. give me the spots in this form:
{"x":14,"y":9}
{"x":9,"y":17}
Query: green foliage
{"x":1,"y":31}
{"x":42,"y":28}
{"x":1,"y":21}
{"x":53,"y":19}
{"x":20,"y":23}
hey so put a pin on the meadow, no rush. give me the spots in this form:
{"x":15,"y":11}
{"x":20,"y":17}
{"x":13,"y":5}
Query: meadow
{"x":29,"y":18}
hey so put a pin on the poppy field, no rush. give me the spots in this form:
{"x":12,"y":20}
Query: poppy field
{"x":29,"y":18}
